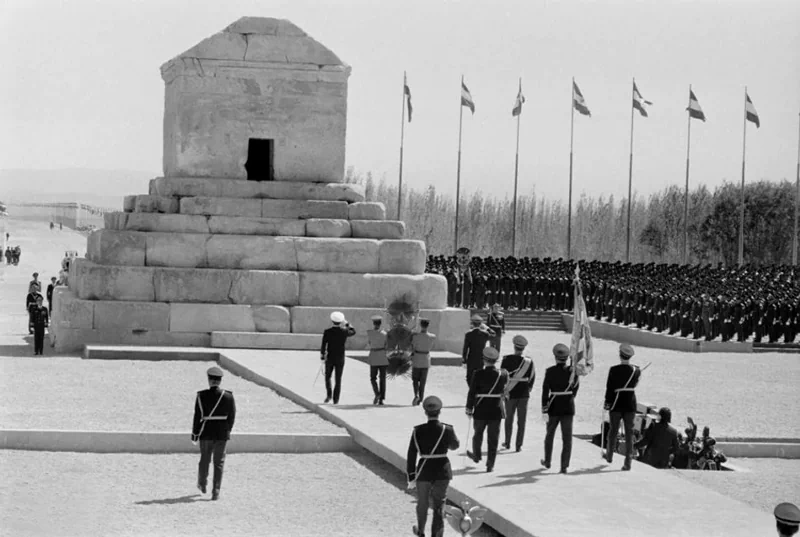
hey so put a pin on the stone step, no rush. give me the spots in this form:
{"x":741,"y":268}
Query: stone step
{"x":257,"y":340}
{"x":246,"y":225}
{"x":127,"y":352}
{"x":437,"y":358}
{"x":239,"y":188}
{"x":304,"y":254}
{"x":90,"y":281}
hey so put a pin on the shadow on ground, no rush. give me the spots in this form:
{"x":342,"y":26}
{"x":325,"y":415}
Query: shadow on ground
{"x":172,"y":501}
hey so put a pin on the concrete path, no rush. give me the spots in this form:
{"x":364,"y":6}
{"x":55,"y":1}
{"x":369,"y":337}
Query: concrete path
{"x":524,"y":499}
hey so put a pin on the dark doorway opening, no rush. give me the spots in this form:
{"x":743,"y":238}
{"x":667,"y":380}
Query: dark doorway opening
{"x":259,"y":165}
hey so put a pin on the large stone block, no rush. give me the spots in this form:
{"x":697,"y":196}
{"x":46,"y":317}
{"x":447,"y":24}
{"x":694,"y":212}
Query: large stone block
{"x":99,"y":282}
{"x":225,"y":317}
{"x":151,"y":316}
{"x":370,"y":290}
{"x":337,"y":255}
{"x":265,"y":287}
{"x":378,"y":229}
{"x":235,"y":225}
{"x":303,"y":209}
{"x":186,"y":250}
{"x":153,"y":222}
{"x":221,"y":206}
{"x":251,"y":252}
{"x":74,"y":339}
{"x":271,"y":318}
{"x":369,"y":210}
{"x":323,"y":227}
{"x":129,"y":203}
{"x":156,"y":204}
{"x":71,"y":312}
{"x":402,"y":257}
{"x":208,"y":286}
{"x":240,"y":188}
{"x":109,"y":247}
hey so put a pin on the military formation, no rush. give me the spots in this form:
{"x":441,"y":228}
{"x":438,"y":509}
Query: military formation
{"x":758,"y":303}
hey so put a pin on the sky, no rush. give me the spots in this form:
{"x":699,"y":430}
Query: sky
{"x":81,"y":86}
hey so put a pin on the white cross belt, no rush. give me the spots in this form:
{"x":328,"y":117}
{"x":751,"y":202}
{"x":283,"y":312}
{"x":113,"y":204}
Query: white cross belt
{"x":437,"y":456}
{"x":560,"y":393}
{"x":207,"y":418}
{"x":625,"y":389}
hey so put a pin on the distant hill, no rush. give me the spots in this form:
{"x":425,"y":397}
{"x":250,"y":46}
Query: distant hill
{"x":102,"y":188}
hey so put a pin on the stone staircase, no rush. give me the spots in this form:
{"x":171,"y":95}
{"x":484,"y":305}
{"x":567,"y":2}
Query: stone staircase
{"x":529,"y":320}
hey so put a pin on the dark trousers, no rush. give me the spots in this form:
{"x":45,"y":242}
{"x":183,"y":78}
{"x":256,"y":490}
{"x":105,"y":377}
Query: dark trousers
{"x":492,"y":428}
{"x":207,"y":449}
{"x":470,"y":372}
{"x":520,"y":408}
{"x":330,"y":367}
{"x":495,"y":341}
{"x":566,"y":439}
{"x":431,"y":493}
{"x":627,"y":420}
{"x":38,"y":339}
{"x":419,"y":378}
{"x":374,"y":370}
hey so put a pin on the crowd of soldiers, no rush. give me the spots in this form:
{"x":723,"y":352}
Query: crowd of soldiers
{"x":695,"y":301}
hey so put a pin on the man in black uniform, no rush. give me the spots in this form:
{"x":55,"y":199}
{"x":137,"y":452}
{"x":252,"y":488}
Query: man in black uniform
{"x":558,"y":402}
{"x":40,"y":320}
{"x":214,"y":416}
{"x":332,"y":353}
{"x":51,"y":286}
{"x":485,"y":407}
{"x":474,"y":342}
{"x":496,"y":322}
{"x":787,"y":519}
{"x":620,"y":401}
{"x":431,"y":441}
{"x":660,"y":441}
{"x":518,"y":390}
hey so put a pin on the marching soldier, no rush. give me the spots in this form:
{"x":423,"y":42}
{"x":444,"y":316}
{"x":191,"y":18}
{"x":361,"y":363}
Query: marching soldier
{"x":377,"y":360}
{"x":485,"y":406}
{"x":474,"y":342}
{"x":332,"y":353}
{"x":431,"y":441}
{"x":787,"y":519}
{"x":40,"y":320}
{"x":496,"y":322}
{"x":620,"y":401}
{"x":422,"y":343}
{"x":214,"y":416}
{"x":518,"y":390}
{"x":558,"y":403}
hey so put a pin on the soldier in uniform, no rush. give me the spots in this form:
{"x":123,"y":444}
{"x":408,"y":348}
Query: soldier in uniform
{"x":40,"y":320}
{"x":332,"y":353}
{"x":474,"y":342}
{"x":214,"y":416}
{"x":377,"y":360}
{"x":430,"y":442}
{"x":496,"y":322}
{"x":558,"y":403}
{"x":787,"y":519}
{"x":620,"y":401}
{"x":50,"y":289}
{"x":421,"y":343}
{"x":485,"y":406}
{"x":521,"y":373}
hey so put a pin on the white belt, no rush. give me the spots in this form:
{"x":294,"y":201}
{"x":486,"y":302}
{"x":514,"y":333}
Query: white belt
{"x":561,"y":393}
{"x":437,"y":456}
{"x":207,"y":418}
{"x":625,"y":389}
{"x":490,"y":395}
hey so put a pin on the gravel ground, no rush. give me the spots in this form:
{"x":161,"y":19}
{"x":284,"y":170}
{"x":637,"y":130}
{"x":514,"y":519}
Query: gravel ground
{"x":111,"y":395}
{"x":767,"y":483}
{"x":325,"y":495}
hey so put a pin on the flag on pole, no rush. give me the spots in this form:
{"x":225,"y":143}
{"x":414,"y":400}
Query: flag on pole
{"x":639,"y":102}
{"x":466,"y":98}
{"x":517,"y":110}
{"x":694,"y":108}
{"x":407,"y":93}
{"x":750,"y":111}
{"x":578,"y":102}
{"x":581,"y":349}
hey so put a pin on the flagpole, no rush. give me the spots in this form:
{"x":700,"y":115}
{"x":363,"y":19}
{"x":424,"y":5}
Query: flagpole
{"x":630,"y":184}
{"x":686,"y":192}
{"x":458,"y":169}
{"x":516,"y":174}
{"x":402,"y":137}
{"x":569,"y":202}
{"x":741,"y":207}
{"x":796,"y":198}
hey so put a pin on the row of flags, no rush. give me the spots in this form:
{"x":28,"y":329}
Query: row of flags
{"x":579,"y":103}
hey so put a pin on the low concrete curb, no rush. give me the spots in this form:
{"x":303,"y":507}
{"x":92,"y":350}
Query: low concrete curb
{"x":749,"y":448}
{"x":168,"y":442}
{"x":123,"y":352}
{"x":437,"y":357}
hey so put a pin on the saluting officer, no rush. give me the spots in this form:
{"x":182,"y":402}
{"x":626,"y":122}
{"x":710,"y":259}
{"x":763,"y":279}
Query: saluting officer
{"x":620,"y":401}
{"x":485,"y":407}
{"x":474,"y":342}
{"x":214,"y":415}
{"x":422,"y":344}
{"x":518,"y":390}
{"x":558,"y":402}
{"x":377,"y":360}
{"x":430,"y":441}
{"x":496,"y":322}
{"x":332,"y":353}
{"x":787,"y":519}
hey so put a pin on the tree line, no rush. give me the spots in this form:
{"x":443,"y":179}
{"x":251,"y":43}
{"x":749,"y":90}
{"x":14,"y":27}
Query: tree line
{"x":599,"y":224}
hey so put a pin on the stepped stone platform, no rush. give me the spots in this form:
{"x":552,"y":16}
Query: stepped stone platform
{"x":523,"y":499}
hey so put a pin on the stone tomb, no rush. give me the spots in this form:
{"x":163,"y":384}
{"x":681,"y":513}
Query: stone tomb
{"x":242,"y":243}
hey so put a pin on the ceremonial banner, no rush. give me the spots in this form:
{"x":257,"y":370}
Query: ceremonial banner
{"x":639,"y":102}
{"x":517,"y":110}
{"x":694,"y":108}
{"x":750,"y":111}
{"x":407,"y":93}
{"x":466,"y":98}
{"x":581,"y":350}
{"x":578,"y":102}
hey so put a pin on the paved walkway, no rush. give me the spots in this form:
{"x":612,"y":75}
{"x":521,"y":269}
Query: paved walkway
{"x":524,"y":500}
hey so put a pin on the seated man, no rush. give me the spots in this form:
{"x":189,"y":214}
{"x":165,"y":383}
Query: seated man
{"x":661,"y":441}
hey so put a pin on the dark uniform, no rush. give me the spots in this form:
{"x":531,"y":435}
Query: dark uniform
{"x":430,"y":442}
{"x":496,"y":321}
{"x":484,"y":404}
{"x":474,"y":342}
{"x":332,"y":352}
{"x":377,"y":360}
{"x":40,"y":319}
{"x":660,"y":442}
{"x":521,"y":373}
{"x":50,"y":287}
{"x":422,"y":344}
{"x":620,"y":401}
{"x":787,"y":519}
{"x":558,"y":402}
{"x":214,"y":416}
